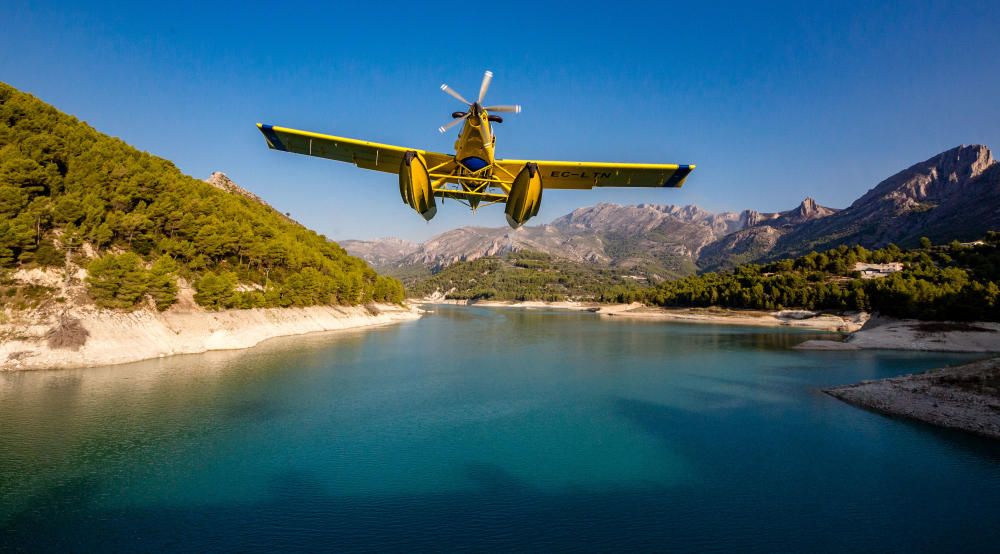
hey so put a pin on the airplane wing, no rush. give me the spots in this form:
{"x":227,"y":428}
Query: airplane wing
{"x":364,"y":154}
{"x":585,"y":175}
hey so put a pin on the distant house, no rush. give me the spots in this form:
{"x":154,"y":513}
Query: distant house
{"x":874,"y":271}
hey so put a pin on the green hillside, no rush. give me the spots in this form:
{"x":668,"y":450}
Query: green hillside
{"x":952,"y":282}
{"x":523,"y":276}
{"x":66,"y":188}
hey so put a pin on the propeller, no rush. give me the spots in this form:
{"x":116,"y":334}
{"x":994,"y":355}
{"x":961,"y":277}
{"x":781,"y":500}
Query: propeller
{"x":483,"y":87}
{"x":455,"y":94}
{"x":487,"y":78}
{"x":516,"y":108}
{"x":452,"y":123}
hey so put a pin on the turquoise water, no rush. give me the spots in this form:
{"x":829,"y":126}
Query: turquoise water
{"x":488,"y":429}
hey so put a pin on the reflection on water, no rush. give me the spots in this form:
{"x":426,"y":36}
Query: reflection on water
{"x":487,"y":429}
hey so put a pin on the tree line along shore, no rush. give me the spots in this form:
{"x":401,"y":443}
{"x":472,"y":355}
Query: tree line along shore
{"x":955,"y":281}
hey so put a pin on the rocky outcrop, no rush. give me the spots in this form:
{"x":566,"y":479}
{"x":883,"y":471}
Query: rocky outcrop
{"x":808,"y":210}
{"x":220,"y":181}
{"x":954,"y":195}
{"x":760,"y":235}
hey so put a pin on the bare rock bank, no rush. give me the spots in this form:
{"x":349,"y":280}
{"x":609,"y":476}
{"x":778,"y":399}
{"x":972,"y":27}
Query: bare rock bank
{"x":805,"y":319}
{"x":965,"y":397}
{"x":87,"y":336}
{"x":909,"y":334}
{"x":522,"y":304}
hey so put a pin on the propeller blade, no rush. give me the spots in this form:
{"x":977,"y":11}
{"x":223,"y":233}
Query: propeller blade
{"x":452,"y":123}
{"x":516,"y":108}
{"x":487,"y":78}
{"x":455,"y":94}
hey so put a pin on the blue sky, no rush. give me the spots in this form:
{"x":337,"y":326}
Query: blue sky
{"x":773,"y":102}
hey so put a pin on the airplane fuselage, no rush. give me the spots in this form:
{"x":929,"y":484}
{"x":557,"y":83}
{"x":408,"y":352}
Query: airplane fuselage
{"x":475,"y":144}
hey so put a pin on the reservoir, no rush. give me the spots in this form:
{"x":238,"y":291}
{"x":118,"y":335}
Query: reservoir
{"x":489,"y":429}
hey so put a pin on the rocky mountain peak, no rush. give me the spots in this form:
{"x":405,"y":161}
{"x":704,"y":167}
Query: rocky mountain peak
{"x":808,"y":210}
{"x":932,"y":180}
{"x":222,"y":182}
{"x":966,"y":162}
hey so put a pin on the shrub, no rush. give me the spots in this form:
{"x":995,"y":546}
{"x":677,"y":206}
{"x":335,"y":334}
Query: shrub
{"x":216,"y":290}
{"x":69,"y":333}
{"x":117,"y":281}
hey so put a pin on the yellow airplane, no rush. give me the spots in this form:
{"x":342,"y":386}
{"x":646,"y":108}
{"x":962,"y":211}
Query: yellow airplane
{"x":472,"y":175}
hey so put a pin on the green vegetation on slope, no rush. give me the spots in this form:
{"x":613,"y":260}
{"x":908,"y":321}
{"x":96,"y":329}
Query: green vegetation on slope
{"x":954,"y":282}
{"x":523,"y":276}
{"x":63,"y":184}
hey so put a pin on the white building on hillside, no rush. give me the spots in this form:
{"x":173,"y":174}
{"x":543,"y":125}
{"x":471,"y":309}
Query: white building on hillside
{"x":874,"y":271}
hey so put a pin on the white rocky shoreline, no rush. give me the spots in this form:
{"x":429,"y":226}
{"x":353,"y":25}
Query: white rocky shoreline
{"x":88,"y":337}
{"x":857,"y":330}
{"x":965,"y":397}
{"x":881,"y":333}
{"x":805,"y":319}
{"x":74,"y":333}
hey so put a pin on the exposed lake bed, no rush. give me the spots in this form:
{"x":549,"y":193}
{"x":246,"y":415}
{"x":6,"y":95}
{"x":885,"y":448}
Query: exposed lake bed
{"x":489,"y":429}
{"x":965,"y":397}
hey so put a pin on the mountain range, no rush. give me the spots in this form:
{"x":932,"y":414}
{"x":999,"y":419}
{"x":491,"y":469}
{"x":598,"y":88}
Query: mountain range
{"x":953,"y":195}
